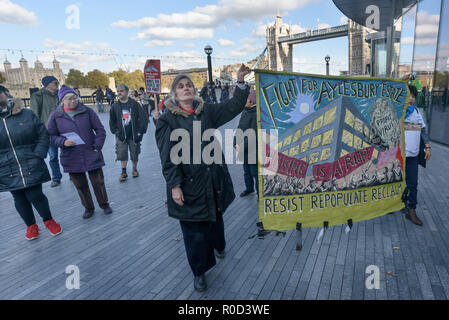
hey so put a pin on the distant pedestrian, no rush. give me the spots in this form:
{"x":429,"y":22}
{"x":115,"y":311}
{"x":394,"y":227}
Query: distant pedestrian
{"x":197,"y":194}
{"x":24,"y":145}
{"x":78,"y":131}
{"x":135,"y":96}
{"x":153,"y":103}
{"x":224,"y":93}
{"x":207,"y":93}
{"x":217,"y":92}
{"x":43,"y":103}
{"x":213,"y":93}
{"x":110,"y":96}
{"x":99,"y":96}
{"x":415,"y":130}
{"x":128,"y":122}
{"x":145,"y":101}
{"x":248,"y":151}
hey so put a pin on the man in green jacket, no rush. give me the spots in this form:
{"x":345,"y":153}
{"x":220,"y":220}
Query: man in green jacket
{"x":43,"y":103}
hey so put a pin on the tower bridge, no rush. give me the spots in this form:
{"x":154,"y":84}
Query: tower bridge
{"x":280,"y":41}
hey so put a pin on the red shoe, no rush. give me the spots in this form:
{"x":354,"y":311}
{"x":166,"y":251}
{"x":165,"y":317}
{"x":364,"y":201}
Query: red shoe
{"x":53,"y":227}
{"x":32,"y":232}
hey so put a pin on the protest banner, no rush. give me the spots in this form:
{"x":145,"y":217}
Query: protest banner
{"x":338,"y":148}
{"x":152,"y":72}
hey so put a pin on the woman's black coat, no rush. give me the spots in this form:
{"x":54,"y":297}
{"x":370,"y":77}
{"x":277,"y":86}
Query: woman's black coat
{"x":207,"y":188}
{"x":24,"y":144}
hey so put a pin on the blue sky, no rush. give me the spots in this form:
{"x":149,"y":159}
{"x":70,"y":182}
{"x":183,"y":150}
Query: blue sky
{"x":174,"y":31}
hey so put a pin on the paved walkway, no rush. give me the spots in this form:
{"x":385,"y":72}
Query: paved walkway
{"x":138,"y":251}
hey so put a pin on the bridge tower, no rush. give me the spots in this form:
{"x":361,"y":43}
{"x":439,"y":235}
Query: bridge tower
{"x":359,"y":52}
{"x":280,"y":56}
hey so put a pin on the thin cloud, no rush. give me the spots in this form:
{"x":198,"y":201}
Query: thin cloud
{"x":171,"y":33}
{"x":72,"y":55}
{"x":12,"y":13}
{"x":158,"y":43}
{"x":226,"y":43}
{"x":208,"y":17}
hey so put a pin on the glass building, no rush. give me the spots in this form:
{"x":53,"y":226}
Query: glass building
{"x":421,"y":47}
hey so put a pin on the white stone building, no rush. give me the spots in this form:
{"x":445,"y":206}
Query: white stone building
{"x":20,"y":80}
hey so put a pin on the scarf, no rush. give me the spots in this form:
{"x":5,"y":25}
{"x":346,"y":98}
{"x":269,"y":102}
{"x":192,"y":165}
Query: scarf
{"x":410,"y":110}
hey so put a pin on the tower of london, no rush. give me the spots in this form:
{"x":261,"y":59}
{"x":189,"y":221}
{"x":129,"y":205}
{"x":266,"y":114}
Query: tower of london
{"x":20,"y":80}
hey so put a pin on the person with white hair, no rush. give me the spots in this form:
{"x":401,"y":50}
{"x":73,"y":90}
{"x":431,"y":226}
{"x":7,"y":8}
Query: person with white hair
{"x":198,"y":192}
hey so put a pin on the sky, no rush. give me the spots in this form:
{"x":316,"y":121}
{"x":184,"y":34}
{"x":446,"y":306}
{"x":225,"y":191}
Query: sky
{"x":108,"y":35}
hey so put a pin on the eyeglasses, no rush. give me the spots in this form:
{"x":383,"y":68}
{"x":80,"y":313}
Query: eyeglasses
{"x":72,"y":99}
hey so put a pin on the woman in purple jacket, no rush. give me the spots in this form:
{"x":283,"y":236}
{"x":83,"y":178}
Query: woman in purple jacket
{"x":77,"y":130}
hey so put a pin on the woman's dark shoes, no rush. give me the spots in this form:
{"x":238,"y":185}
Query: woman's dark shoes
{"x":411,"y":215}
{"x":245,"y":193}
{"x":108,"y":210}
{"x":200,"y":283}
{"x":220,"y":254}
{"x":88,"y":214}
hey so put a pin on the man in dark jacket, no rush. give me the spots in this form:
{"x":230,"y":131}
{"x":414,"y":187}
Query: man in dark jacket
{"x":128,"y":122}
{"x":198,"y":192}
{"x":99,"y":96}
{"x":43,"y":103}
{"x":23,"y":147}
{"x":246,"y":144}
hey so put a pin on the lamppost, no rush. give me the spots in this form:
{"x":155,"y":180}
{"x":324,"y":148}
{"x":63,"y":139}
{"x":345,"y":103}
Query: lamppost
{"x":327,"y":59}
{"x":208,"y":50}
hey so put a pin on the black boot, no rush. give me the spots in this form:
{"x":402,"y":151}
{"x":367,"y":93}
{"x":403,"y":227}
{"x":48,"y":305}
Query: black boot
{"x":245,"y":193}
{"x":220,"y":254}
{"x":411,"y":215}
{"x":200,"y":283}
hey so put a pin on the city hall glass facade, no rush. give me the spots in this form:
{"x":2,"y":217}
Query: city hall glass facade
{"x":422,"y":47}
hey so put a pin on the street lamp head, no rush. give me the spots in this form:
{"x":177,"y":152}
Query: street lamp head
{"x":327,"y":58}
{"x":208,"y":49}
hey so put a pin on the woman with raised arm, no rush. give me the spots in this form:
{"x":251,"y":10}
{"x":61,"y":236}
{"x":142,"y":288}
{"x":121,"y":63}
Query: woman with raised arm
{"x":198,"y":193}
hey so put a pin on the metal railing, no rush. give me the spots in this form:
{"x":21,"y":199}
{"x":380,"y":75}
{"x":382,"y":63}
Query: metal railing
{"x":84,"y":100}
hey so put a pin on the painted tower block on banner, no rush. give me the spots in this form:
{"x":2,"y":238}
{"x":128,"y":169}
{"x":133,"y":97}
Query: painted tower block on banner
{"x":328,"y":134}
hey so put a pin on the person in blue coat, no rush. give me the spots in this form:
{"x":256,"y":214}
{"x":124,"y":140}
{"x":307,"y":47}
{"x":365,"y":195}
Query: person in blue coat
{"x":24,"y":145}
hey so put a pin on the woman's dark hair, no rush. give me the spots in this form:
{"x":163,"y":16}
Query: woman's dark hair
{"x":141,"y":88}
{"x":413,"y":90}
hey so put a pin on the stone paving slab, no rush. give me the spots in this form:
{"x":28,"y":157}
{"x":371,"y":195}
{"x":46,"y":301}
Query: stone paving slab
{"x":138,"y":251}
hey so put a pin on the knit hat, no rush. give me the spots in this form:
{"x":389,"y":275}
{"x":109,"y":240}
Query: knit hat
{"x":252,"y":96}
{"x":65,"y":90}
{"x":47,"y":80}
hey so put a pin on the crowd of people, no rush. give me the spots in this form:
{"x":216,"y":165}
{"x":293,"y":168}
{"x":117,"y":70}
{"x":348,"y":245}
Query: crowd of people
{"x":197,"y":195}
{"x":59,"y":125}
